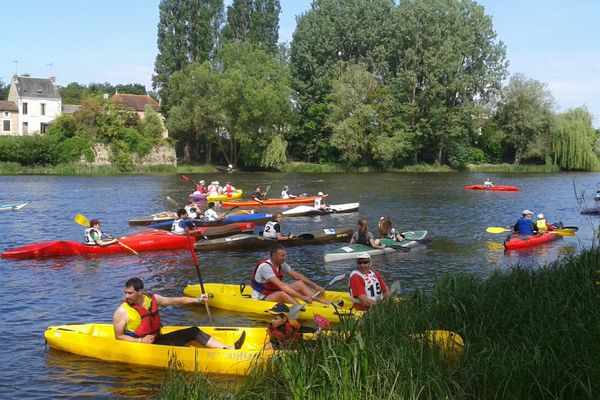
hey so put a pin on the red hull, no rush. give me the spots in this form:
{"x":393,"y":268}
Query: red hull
{"x":519,"y":242}
{"x":495,"y":188}
{"x":272,"y":202}
{"x":144,"y":241}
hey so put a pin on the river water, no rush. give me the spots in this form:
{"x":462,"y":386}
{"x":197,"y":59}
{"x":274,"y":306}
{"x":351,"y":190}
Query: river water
{"x":39,"y":293}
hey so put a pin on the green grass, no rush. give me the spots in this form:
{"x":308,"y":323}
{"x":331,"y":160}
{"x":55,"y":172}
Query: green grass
{"x":512,"y":168}
{"x":529,"y":334}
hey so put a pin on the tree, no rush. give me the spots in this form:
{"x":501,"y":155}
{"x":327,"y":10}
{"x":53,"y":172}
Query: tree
{"x":188,"y":31}
{"x":574,"y":140}
{"x":524,"y":114}
{"x":4,"y":90}
{"x":255,"y":21}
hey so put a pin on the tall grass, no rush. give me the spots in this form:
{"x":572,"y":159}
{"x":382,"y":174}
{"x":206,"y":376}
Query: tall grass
{"x":529,"y":334}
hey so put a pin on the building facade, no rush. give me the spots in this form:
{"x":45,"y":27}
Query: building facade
{"x":38,"y":103}
{"x":9,"y":118}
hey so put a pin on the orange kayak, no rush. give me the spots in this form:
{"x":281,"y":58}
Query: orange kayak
{"x":272,"y":202}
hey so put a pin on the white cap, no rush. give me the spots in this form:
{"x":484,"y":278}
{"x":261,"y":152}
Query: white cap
{"x":527,"y":212}
{"x":363,"y":256}
{"x":320,"y":194}
{"x":540,"y":216}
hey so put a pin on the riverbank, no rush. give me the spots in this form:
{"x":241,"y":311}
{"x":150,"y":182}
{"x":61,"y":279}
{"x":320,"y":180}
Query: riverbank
{"x":9,"y":168}
{"x":529,"y":334}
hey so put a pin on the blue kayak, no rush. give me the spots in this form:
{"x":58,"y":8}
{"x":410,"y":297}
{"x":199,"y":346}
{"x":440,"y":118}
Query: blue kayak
{"x":258,"y":218}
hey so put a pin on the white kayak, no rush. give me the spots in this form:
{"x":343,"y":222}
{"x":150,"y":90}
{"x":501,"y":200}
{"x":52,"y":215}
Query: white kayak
{"x":12,"y":207}
{"x":349,"y":252}
{"x":310,"y":210}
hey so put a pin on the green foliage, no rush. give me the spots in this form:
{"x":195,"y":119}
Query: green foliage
{"x":255,"y":21}
{"x":490,"y":141}
{"x":4,"y":89}
{"x":29,"y":150}
{"x":151,"y":126}
{"x":275,"y":153}
{"x":574,"y":139}
{"x":121,"y":156}
{"x":74,"y":93}
{"x":62,"y":127}
{"x":459,"y":155}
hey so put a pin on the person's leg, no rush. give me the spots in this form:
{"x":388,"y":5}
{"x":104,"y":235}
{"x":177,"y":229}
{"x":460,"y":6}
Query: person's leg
{"x":183,"y":336}
{"x":301,"y":287}
{"x":280,"y":297}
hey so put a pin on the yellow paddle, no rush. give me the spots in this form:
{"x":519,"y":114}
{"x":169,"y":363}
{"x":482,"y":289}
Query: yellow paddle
{"x":83,"y":221}
{"x":560,"y":232}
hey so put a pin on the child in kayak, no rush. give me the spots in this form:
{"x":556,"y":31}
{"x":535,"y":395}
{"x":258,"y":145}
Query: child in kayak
{"x":284,"y":333}
{"x":387,"y":231}
{"x":93,"y":236}
{"x":363,"y":236}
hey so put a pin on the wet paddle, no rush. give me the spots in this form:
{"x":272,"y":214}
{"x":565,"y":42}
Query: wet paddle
{"x":188,"y":180}
{"x":83,"y":221}
{"x":560,"y":232}
{"x":197,"y":265}
{"x":296,"y":308}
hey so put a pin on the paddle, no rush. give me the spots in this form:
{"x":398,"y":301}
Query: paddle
{"x":267,"y":191}
{"x":185,"y":178}
{"x":83,"y":221}
{"x":296,"y":308}
{"x":197,"y":265}
{"x":560,"y":232}
{"x":172,"y":202}
{"x":228,"y":211}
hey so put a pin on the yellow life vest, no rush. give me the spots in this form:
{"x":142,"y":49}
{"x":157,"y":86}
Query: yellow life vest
{"x":135,"y":319}
{"x":541,"y":225}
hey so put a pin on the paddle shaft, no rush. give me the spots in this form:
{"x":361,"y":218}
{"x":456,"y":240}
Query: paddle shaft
{"x":295,"y":309}
{"x":197,"y":266}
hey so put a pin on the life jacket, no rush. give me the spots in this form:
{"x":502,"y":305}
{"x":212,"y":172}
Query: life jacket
{"x":284,"y":194}
{"x":372,"y":287}
{"x":266,"y":288}
{"x":363,"y":239}
{"x":149,"y":319}
{"x":524,"y":226}
{"x":177,"y":228}
{"x":88,"y":236}
{"x":541,"y":225}
{"x":270,"y":232}
{"x":317,"y":203}
{"x":200,"y":188}
{"x":228,"y":189}
{"x":284,"y":335}
{"x":391,"y":234}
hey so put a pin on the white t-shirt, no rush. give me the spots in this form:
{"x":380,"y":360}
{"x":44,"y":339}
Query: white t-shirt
{"x":271,"y":229}
{"x":284,"y":194}
{"x":211,"y":215}
{"x":263,"y":273}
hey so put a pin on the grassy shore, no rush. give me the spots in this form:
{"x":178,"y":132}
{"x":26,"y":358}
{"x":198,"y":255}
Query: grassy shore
{"x":529,"y":334}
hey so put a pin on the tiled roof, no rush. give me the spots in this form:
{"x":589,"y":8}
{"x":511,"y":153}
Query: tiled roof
{"x":36,"y":88}
{"x":70,"y":108}
{"x":8,"y":106}
{"x":137,"y":102}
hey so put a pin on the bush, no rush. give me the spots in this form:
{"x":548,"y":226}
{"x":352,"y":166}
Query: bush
{"x":459,"y":155}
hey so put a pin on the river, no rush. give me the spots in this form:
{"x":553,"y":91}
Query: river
{"x":39,"y":293}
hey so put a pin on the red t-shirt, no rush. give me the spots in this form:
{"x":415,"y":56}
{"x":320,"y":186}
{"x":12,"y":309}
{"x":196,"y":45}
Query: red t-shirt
{"x":358,"y":287}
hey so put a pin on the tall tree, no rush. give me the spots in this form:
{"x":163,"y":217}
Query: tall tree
{"x":574,"y":140}
{"x":255,"y":21}
{"x":524,"y":114}
{"x":187,"y":32}
{"x":4,"y":90}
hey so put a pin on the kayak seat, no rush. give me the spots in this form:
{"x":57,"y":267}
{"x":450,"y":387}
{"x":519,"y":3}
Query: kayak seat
{"x":242,"y":287}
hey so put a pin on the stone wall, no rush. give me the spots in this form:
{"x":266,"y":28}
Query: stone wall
{"x":163,"y":154}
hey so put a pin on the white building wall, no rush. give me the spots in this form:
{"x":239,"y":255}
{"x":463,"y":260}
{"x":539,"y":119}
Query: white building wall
{"x":34,"y":117}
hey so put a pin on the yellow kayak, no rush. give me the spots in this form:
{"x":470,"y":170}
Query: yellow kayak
{"x":237,"y":298}
{"x":237,"y":194}
{"x":98,"y":341}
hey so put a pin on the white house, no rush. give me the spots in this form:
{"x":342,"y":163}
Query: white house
{"x":9,"y":118}
{"x":38,"y":103}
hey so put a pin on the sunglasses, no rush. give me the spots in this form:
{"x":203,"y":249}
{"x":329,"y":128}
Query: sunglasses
{"x":359,"y":262}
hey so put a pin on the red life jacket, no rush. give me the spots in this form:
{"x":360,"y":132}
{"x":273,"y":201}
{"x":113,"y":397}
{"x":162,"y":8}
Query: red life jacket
{"x":150,"y":319}
{"x":284,"y":335}
{"x":228,"y":189}
{"x":266,"y":288}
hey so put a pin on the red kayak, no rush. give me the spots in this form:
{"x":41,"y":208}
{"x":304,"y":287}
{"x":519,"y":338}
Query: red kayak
{"x":272,"y":202}
{"x":522,"y":241}
{"x":496,"y":188}
{"x":144,"y":241}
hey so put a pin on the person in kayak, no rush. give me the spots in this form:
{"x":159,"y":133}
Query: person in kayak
{"x":273,"y":228}
{"x":137,"y":320}
{"x":285,"y":193}
{"x":94,"y":236}
{"x":210,"y":214}
{"x":488,"y":183}
{"x":201,"y":187}
{"x":320,"y":202}
{"x":267,"y":280}
{"x":363,"y":236}
{"x":284,"y":333}
{"x":525,"y":225}
{"x":387,"y":231}
{"x":366,"y":286}
{"x":542,"y":224}
{"x":228,"y":189}
{"x":192,"y":208}
{"x":182,"y":222}
{"x":258,"y":195}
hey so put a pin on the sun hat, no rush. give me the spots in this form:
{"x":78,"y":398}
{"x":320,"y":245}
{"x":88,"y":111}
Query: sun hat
{"x":363,"y":256}
{"x":279,"y":308}
{"x":540,"y":216}
{"x":320,"y":194}
{"x":527,"y":212}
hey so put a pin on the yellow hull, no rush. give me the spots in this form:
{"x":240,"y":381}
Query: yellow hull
{"x":228,"y":297}
{"x":221,"y":197}
{"x":98,"y":341}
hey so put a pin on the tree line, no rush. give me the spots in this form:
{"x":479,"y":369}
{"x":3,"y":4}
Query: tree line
{"x":363,"y":83}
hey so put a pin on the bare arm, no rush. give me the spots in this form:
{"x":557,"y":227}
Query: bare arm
{"x":179,"y":301}
{"x":287,"y":289}
{"x":120,"y":319}
{"x":299,"y":277}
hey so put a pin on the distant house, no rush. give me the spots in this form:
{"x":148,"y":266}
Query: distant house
{"x":138,"y":103}
{"x":38,"y":103}
{"x":9,"y":118}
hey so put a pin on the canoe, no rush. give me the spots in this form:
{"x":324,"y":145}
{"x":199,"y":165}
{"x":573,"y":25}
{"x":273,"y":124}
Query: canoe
{"x":350,"y":252}
{"x":257,"y":218}
{"x":310,"y":210}
{"x":157,"y":217}
{"x":495,"y":188}
{"x":12,"y":206}
{"x":213,"y":232}
{"x":98,"y":341}
{"x":153,"y":240}
{"x":272,"y":202}
{"x":237,"y":194}
{"x":522,"y":241}
{"x":591,"y":211}
{"x":237,"y":298}
{"x":245,"y":241}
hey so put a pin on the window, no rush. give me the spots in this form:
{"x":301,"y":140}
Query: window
{"x":6,"y":126}
{"x":43,"y":128}
{"x":24,"y":108}
{"x":43,"y":109}
{"x":6,"y":114}
{"x":25,"y":128}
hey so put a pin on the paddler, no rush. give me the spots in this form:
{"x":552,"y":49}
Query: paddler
{"x":366,"y":286}
{"x":283,"y":332}
{"x":94,"y":236}
{"x":272,"y":228}
{"x":488,"y":183}
{"x":363,"y":236}
{"x":524,"y":225}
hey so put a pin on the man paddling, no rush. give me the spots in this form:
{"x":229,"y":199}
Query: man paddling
{"x":137,"y":320}
{"x":524,"y":225}
{"x":366,"y":287}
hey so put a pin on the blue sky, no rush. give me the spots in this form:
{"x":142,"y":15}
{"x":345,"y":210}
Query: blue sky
{"x":552,"y":41}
